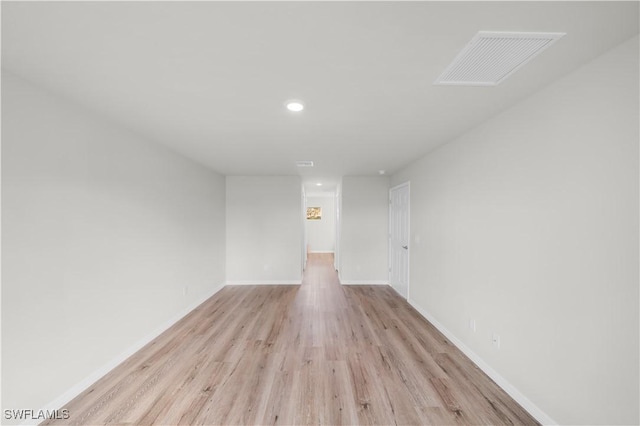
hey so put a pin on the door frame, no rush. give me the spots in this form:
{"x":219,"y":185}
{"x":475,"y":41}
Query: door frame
{"x":408,"y":185}
{"x":303,"y":243}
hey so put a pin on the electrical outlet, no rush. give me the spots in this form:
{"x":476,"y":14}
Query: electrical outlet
{"x":472,"y":325}
{"x":495,"y":340}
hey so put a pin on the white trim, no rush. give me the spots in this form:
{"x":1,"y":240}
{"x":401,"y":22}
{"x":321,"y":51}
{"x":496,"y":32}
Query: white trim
{"x":263,"y":282}
{"x":303,"y":224}
{"x":320,"y":251}
{"x":407,"y":183}
{"x":363,"y":282}
{"x":511,"y":390}
{"x":84,"y":384}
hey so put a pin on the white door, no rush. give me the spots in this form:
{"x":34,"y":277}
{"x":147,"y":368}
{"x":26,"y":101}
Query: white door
{"x":399,"y":239}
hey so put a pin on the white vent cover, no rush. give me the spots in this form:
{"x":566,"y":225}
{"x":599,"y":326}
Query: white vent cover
{"x":490,"y":57}
{"x":304,"y":163}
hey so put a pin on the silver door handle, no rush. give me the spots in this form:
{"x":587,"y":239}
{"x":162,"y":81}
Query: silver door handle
{"x":405,"y":247}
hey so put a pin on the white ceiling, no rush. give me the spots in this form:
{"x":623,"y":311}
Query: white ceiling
{"x":210,"y":79}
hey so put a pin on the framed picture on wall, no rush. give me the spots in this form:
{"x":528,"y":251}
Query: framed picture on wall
{"x":314,"y":213}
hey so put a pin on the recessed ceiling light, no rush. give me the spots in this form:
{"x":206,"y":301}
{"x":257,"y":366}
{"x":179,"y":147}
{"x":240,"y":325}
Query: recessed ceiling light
{"x":295,"y":106}
{"x":318,"y":184}
{"x":381,"y":172}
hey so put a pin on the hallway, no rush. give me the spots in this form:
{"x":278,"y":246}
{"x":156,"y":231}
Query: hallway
{"x":317,"y":353}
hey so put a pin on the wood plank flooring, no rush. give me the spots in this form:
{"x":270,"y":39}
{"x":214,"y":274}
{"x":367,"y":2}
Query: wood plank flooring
{"x":318,"y":353}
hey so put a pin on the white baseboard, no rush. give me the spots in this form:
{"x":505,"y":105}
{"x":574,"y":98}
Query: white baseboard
{"x":81,"y":386}
{"x":264,"y":282}
{"x":362,"y":282}
{"x":321,"y":252}
{"x":511,"y":390}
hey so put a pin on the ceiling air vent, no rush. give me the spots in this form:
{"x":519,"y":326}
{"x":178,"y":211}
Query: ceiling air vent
{"x":304,"y":163}
{"x":490,"y":57}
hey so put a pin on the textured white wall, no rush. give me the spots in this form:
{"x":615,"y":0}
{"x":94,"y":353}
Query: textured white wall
{"x":101,"y":232}
{"x":364,"y":256}
{"x":529,"y":224}
{"x":264,"y":229}
{"x":321,"y":234}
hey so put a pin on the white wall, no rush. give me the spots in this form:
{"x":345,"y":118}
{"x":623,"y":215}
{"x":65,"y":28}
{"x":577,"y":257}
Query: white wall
{"x":321,"y":234}
{"x":529,"y":224}
{"x":264,"y":229}
{"x":101,"y":232}
{"x":364,"y":257}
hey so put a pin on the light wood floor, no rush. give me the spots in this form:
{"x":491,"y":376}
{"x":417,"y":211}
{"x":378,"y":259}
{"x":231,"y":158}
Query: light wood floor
{"x":316,"y":353}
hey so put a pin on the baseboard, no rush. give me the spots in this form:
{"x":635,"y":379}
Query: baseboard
{"x":363,"y":282}
{"x":81,"y":386}
{"x":320,"y":252}
{"x":264,"y":282}
{"x":511,"y":390}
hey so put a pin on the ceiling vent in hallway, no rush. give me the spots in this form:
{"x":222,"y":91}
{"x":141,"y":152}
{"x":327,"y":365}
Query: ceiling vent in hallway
{"x":491,"y":57}
{"x":304,"y":163}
